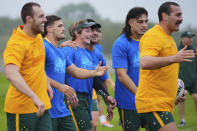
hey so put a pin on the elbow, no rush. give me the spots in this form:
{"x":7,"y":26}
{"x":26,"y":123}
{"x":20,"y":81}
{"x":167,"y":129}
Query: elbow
{"x":120,"y":77}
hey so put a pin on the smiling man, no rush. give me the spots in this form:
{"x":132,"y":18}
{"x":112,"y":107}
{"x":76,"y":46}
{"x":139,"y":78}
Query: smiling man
{"x":81,"y":34}
{"x":57,"y":65}
{"x":159,"y":66}
{"x":126,"y":62}
{"x":27,"y":101}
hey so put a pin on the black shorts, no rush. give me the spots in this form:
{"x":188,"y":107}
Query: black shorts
{"x":192,"y":88}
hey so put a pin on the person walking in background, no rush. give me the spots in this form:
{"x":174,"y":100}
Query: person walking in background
{"x":188,"y":73}
{"x":27,"y":101}
{"x":159,"y":67}
{"x":94,"y":48}
{"x":97,"y":56}
{"x":126,"y":61}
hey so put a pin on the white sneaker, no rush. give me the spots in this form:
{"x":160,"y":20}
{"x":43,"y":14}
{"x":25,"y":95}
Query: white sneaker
{"x":182,"y":123}
{"x":107,"y":124}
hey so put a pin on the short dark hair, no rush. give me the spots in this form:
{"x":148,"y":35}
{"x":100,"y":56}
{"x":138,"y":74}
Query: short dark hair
{"x":50,"y":20}
{"x":27,"y":10}
{"x":166,"y":8}
{"x":133,"y":13}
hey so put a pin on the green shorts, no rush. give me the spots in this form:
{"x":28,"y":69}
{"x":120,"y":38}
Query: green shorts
{"x":63,"y":124}
{"x":131,"y":120}
{"x":29,"y":122}
{"x":192,"y":88}
{"x":157,"y":120}
{"x":82,"y":112}
{"x":94,"y":105}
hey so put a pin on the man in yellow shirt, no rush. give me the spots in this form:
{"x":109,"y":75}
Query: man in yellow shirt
{"x":158,"y":81}
{"x":27,"y":101}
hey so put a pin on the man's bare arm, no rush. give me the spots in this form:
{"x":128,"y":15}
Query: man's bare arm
{"x":15,"y":78}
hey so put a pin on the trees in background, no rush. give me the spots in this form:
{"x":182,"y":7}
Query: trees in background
{"x":72,"y":12}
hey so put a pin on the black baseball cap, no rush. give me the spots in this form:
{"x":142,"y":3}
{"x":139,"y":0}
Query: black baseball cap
{"x":96,"y":25}
{"x":187,"y":34}
{"x":85,"y":24}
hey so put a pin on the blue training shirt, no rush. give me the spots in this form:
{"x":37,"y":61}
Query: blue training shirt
{"x":82,"y":59}
{"x":55,"y":67}
{"x":98,"y":56}
{"x":99,"y":47}
{"x":125,"y":54}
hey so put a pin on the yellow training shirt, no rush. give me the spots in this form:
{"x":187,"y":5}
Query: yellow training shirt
{"x":157,"y":88}
{"x":29,"y":55}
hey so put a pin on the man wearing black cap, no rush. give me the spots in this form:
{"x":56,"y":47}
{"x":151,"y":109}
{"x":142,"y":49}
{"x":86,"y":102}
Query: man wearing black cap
{"x":188,"y":73}
{"x":81,"y":34}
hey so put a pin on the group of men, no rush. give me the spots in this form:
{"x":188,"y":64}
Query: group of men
{"x":34,"y":64}
{"x":146,"y":67}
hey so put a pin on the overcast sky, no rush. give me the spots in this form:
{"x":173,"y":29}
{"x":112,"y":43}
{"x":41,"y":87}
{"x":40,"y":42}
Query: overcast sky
{"x":114,"y":10}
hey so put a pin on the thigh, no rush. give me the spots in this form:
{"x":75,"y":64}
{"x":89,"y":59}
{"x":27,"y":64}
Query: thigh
{"x":130,"y":119}
{"x":21,"y":121}
{"x":66,"y":124}
{"x":44,"y":122}
{"x":157,"y":120}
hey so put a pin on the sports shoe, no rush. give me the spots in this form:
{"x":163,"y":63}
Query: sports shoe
{"x":182,"y":123}
{"x":107,"y":124}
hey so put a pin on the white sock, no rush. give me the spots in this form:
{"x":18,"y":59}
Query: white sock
{"x":102,"y":118}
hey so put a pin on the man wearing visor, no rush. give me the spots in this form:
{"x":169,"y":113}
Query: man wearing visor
{"x":81,"y":34}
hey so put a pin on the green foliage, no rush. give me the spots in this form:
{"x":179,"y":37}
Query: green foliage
{"x":72,"y":12}
{"x":77,"y":12}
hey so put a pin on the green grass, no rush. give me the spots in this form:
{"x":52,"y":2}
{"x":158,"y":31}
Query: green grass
{"x":3,"y":89}
{"x":191,"y":116}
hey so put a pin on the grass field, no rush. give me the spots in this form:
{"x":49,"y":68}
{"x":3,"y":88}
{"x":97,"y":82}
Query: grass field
{"x":191,"y":116}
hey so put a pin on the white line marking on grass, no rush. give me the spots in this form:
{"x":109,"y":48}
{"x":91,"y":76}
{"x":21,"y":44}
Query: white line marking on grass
{"x":189,"y":129}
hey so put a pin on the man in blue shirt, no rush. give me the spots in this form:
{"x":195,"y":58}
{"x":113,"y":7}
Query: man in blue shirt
{"x":81,"y":35}
{"x":126,"y":62}
{"x":97,"y":55}
{"x":56,"y":65}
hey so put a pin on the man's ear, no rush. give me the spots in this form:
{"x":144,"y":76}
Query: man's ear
{"x":49,"y":29}
{"x":164,"y":16}
{"x":29,"y":19}
{"x":130,"y":22}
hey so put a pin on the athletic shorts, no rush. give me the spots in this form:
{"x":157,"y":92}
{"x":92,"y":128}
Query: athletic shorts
{"x":63,"y":124}
{"x":131,"y":120}
{"x":82,"y":112}
{"x":157,"y":120}
{"x":29,"y":122}
{"x":94,"y":105}
{"x":192,"y":88}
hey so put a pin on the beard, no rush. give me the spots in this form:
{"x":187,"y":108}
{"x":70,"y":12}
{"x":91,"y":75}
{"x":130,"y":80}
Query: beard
{"x":37,"y":28}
